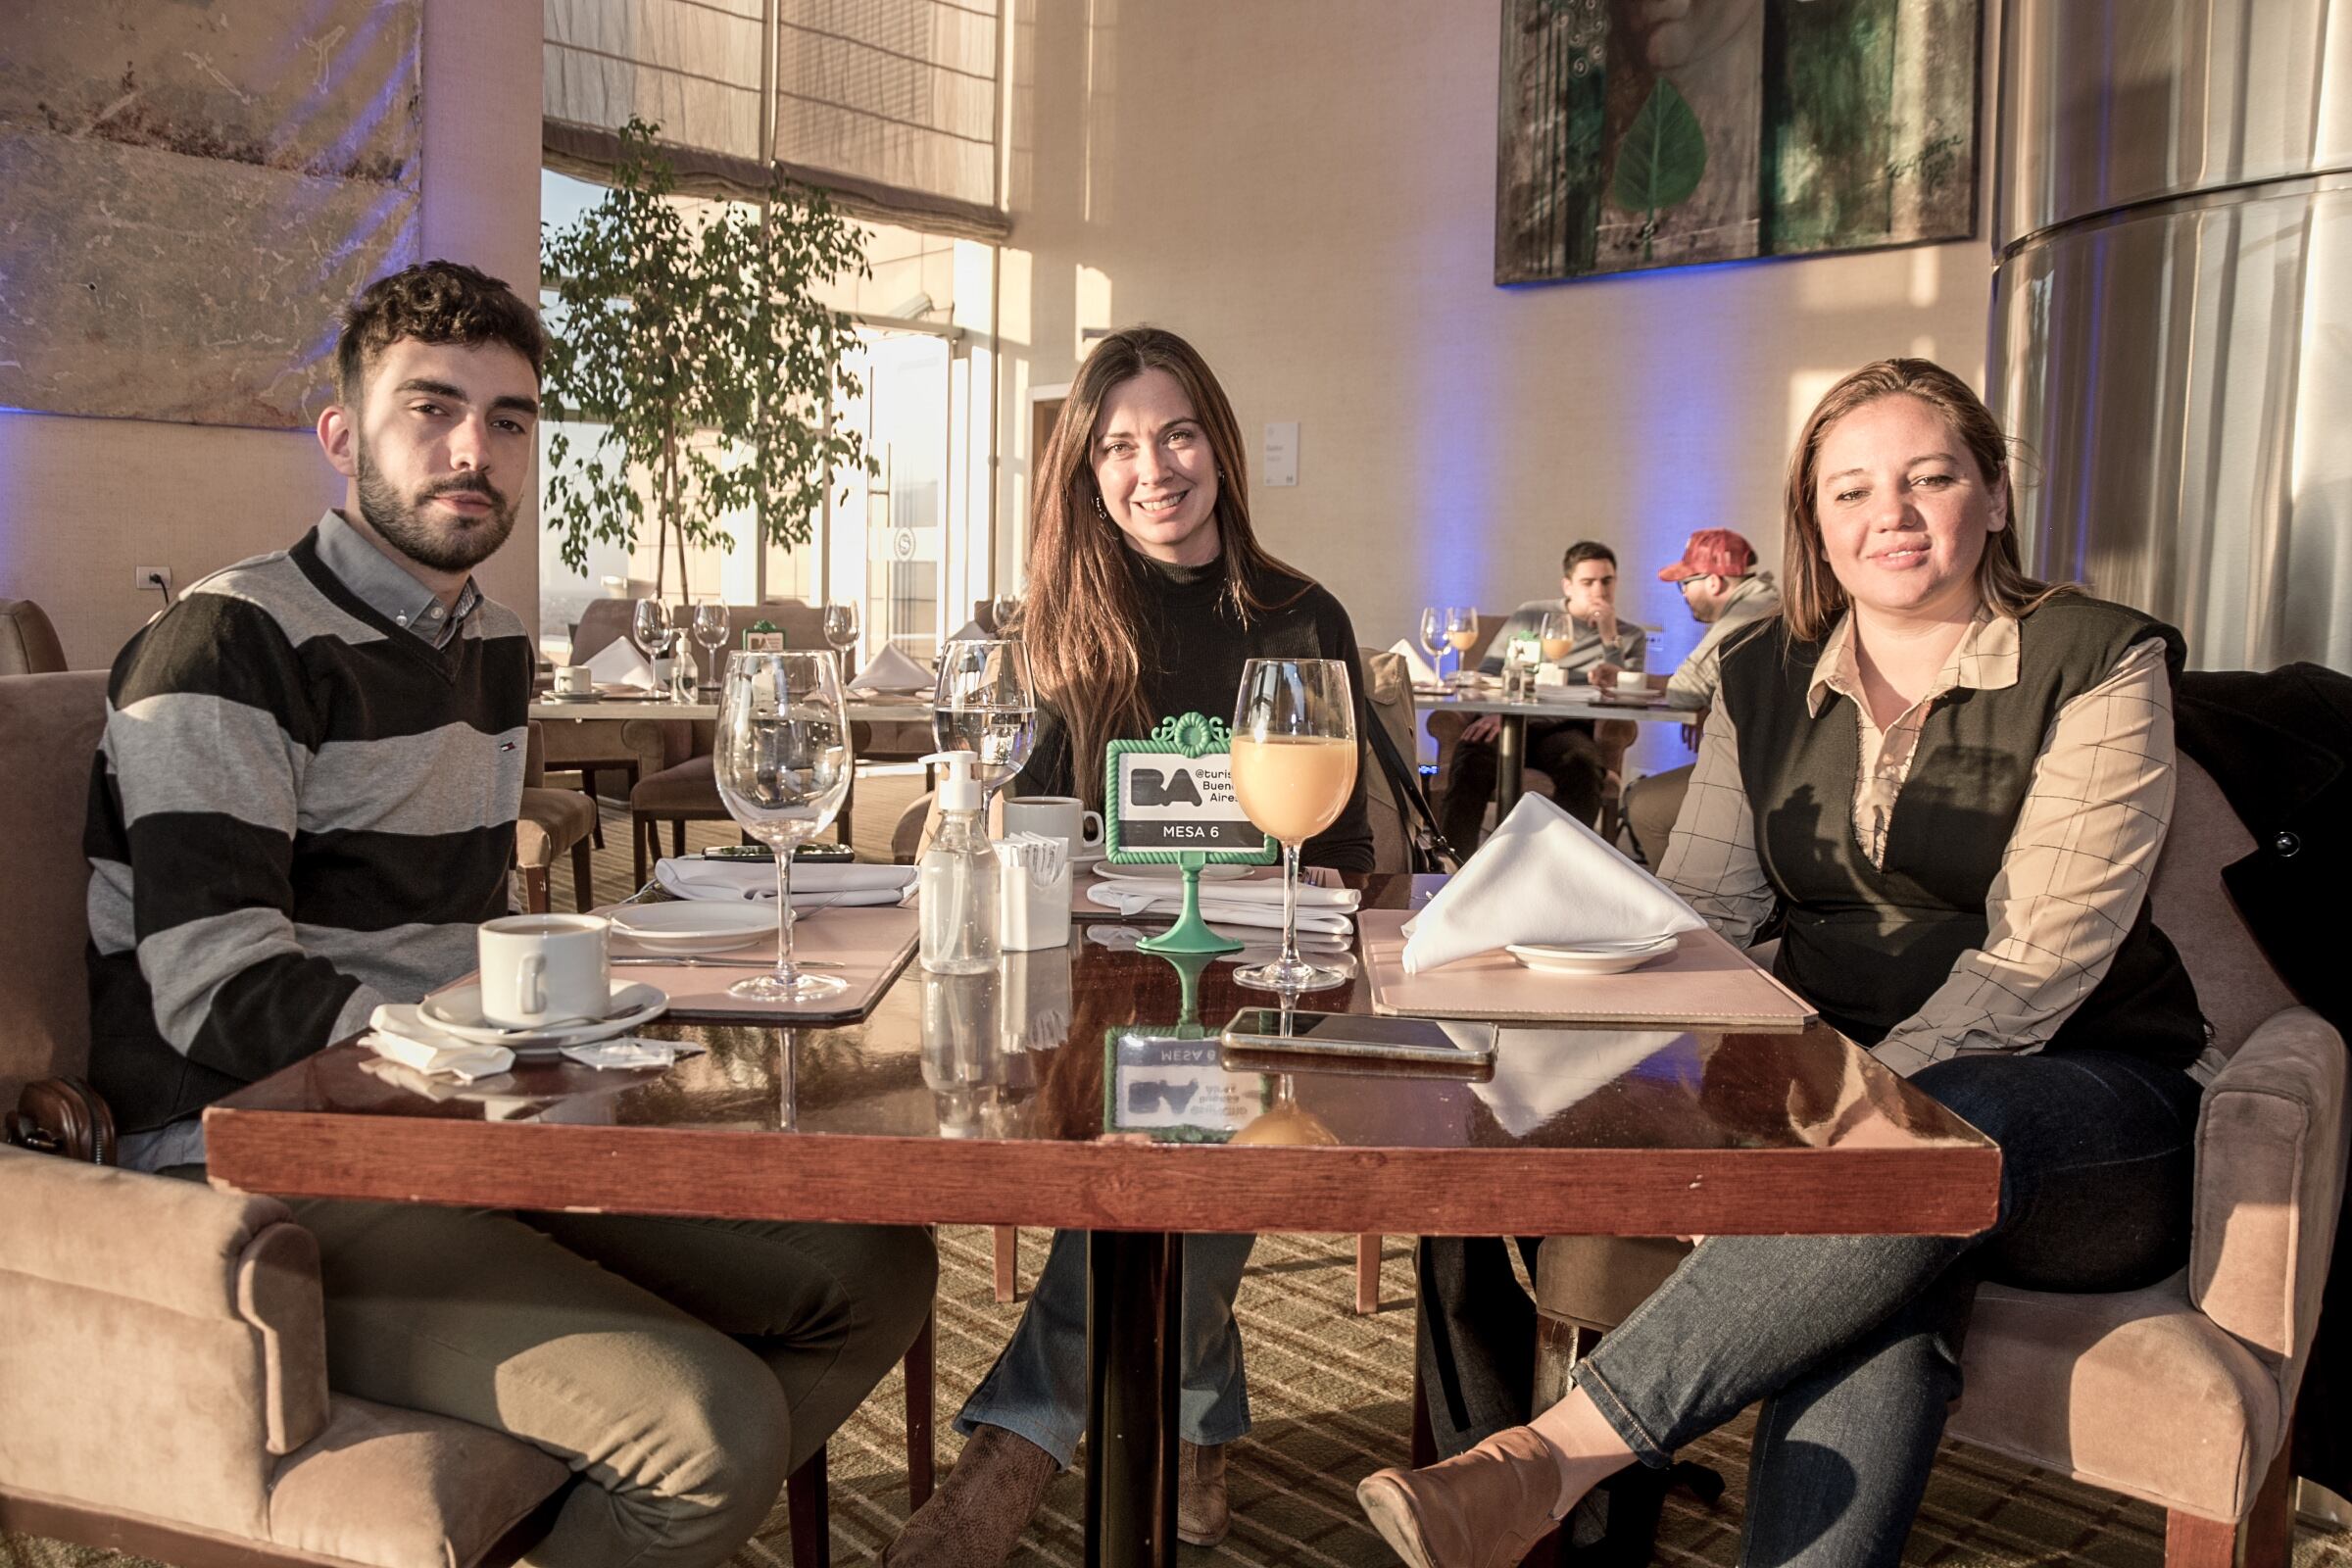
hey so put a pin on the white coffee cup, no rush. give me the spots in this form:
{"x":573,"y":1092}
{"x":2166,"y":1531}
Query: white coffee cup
{"x":574,"y":680}
{"x":540,"y":969}
{"x":1055,"y":816}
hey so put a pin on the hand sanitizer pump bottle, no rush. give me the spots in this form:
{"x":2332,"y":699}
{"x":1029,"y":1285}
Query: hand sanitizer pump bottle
{"x":958,"y":877}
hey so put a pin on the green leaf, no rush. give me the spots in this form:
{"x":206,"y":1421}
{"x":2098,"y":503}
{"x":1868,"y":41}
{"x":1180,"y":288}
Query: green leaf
{"x":1663,"y":155}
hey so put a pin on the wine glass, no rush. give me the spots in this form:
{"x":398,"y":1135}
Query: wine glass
{"x":1294,"y":768}
{"x":710,"y":634}
{"x":1002,"y":608}
{"x":985,"y":704}
{"x":1462,"y":633}
{"x":782,"y":761}
{"x":649,"y":629}
{"x":1433,"y":637}
{"x":840,"y":633}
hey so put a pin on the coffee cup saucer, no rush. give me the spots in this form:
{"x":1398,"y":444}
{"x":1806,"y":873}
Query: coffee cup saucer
{"x":458,"y":1011}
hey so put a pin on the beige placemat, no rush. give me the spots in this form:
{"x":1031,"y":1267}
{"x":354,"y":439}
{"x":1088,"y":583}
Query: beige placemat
{"x":865,"y":946}
{"x":1706,"y":983}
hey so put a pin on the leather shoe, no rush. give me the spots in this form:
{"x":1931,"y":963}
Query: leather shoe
{"x":977,"y":1515}
{"x":1202,"y":1514}
{"x":1480,"y":1510}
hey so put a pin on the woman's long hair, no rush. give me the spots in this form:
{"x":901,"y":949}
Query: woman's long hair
{"x":1082,"y":618}
{"x":1811,"y":597}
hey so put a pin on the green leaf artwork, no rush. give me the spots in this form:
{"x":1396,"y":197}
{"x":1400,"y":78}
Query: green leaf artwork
{"x":1661,"y":160}
{"x":693,"y":336}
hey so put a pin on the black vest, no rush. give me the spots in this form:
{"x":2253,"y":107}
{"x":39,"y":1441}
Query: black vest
{"x":1869,"y":943}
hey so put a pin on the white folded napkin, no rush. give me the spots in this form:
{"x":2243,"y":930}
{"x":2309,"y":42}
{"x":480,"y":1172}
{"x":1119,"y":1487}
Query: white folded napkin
{"x":1419,"y":668}
{"x":815,"y":884}
{"x":398,"y":1032}
{"x":620,"y":663}
{"x":1228,"y":903}
{"x":1542,"y":877}
{"x":1541,"y":1072}
{"x":893,"y":671}
{"x":1253,"y":890}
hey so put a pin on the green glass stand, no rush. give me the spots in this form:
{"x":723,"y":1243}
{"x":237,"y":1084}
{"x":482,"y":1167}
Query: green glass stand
{"x":1190,"y":933}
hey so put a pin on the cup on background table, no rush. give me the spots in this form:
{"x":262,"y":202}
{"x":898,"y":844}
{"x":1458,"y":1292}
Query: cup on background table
{"x":1056,"y":816}
{"x":543,"y":969}
{"x":574,"y":680}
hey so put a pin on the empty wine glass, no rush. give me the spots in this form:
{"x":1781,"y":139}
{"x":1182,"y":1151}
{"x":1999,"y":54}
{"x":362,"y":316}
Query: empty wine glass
{"x":1004,"y":608}
{"x":657,"y":639}
{"x":1433,"y":637}
{"x":782,"y":759}
{"x":1294,"y":768}
{"x":840,"y":633}
{"x":986,"y":704}
{"x":710,"y":634}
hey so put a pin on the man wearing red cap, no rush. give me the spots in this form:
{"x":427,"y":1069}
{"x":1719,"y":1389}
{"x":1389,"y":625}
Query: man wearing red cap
{"x":1724,"y":591}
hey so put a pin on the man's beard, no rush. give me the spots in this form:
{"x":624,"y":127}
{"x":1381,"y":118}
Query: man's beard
{"x":399,"y":521}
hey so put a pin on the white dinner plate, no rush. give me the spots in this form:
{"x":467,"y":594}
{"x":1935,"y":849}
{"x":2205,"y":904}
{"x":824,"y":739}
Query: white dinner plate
{"x":575,"y":697}
{"x":1593,"y":958}
{"x":458,"y":1011}
{"x":694,"y":925}
{"x":1171,"y":873}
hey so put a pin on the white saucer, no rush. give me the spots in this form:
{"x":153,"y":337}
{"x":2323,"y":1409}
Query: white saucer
{"x":458,"y":1011}
{"x":1590,"y":958}
{"x":1168,"y":874}
{"x":694,"y":925}
{"x":575,"y":697}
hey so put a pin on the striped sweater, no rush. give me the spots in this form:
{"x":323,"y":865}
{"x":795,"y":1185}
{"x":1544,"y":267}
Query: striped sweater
{"x":299,"y":811}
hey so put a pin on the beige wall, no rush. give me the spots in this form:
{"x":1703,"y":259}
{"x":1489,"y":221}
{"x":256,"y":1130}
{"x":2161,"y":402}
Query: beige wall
{"x":1307,"y":191}
{"x":82,"y":502}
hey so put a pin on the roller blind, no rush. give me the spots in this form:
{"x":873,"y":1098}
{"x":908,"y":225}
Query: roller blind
{"x":890,"y":104}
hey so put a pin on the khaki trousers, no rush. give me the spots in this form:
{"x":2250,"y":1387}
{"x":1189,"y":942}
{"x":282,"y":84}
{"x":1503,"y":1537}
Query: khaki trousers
{"x":682,"y":1367}
{"x":1650,"y":807}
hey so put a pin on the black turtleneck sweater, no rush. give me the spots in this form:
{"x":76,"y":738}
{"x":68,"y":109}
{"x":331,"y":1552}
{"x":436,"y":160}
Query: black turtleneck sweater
{"x":1193,"y":646}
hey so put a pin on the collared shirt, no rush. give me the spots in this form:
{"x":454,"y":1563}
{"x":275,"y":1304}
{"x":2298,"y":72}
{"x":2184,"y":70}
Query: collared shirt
{"x":1694,"y":682}
{"x":1632,"y":641}
{"x":385,"y":588}
{"x":2074,"y":873}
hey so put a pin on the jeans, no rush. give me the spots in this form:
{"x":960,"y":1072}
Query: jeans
{"x":1038,"y":1387}
{"x":1854,"y":1341}
{"x":1564,"y":749}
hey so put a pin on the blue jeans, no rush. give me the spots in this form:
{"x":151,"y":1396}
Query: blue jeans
{"x":1853,"y":1342}
{"x":1038,"y":1385}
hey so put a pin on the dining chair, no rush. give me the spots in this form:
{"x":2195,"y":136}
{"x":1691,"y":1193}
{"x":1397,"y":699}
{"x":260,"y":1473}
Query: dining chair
{"x":28,"y":644}
{"x":552,"y":822}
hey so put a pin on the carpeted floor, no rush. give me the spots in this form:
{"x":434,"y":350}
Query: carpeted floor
{"x":1328,"y":1391}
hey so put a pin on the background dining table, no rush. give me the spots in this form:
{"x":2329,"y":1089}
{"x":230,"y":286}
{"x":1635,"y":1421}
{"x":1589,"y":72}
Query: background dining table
{"x":1511,"y":744}
{"x":1047,"y":1094}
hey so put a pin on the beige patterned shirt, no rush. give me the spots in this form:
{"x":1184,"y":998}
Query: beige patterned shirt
{"x":2073,"y":877}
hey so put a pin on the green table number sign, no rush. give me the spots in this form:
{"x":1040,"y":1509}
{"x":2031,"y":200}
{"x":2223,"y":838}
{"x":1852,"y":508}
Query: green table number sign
{"x":1168,"y":800}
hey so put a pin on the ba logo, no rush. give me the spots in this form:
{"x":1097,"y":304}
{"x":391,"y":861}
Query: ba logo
{"x":1148,"y":786}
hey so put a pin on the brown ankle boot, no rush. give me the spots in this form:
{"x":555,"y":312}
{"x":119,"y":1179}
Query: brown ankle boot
{"x":1480,"y":1510}
{"x":1201,"y":1515}
{"x":977,"y":1515}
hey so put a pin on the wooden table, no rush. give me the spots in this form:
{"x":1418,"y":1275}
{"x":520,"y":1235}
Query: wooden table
{"x":1511,"y":745}
{"x":957,"y":1101}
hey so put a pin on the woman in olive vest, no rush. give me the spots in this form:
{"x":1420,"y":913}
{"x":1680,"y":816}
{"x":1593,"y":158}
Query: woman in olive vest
{"x":1950,"y":783}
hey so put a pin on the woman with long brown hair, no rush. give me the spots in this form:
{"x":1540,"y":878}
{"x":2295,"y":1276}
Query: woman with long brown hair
{"x":1950,"y":783}
{"x":1148,"y":591}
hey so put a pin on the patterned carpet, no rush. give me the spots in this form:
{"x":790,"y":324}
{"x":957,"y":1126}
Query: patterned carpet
{"x":1328,"y":1391}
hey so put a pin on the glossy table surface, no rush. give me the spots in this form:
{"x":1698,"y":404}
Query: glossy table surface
{"x":1069,"y":1089}
{"x":1490,"y":700}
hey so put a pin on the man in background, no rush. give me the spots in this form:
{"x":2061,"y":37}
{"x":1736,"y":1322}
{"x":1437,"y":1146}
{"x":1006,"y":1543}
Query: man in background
{"x":1724,"y":591}
{"x":1564,"y":749}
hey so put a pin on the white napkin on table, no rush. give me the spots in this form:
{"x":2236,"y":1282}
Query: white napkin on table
{"x":815,"y":884}
{"x":620,"y":663}
{"x":1414,"y":663}
{"x":1542,"y":877}
{"x":398,"y":1032}
{"x":1252,"y":904}
{"x":893,"y":671}
{"x":630,"y":1051}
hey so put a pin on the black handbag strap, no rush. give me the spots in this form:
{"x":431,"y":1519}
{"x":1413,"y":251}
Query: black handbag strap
{"x":1421,"y":825}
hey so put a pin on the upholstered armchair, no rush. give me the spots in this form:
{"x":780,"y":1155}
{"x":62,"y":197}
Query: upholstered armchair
{"x":28,"y":644}
{"x":2182,"y":1394}
{"x":165,"y":1359}
{"x":552,"y":822}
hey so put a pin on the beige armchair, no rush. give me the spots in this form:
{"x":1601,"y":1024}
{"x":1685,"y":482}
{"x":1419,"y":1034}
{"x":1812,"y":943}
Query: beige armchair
{"x":552,"y":822}
{"x":28,"y":644}
{"x":2182,"y":1394}
{"x":165,"y":1359}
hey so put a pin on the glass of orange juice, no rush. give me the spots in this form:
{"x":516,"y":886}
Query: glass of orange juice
{"x":1461,"y":635}
{"x":1294,"y":768}
{"x":1558,"y":634}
